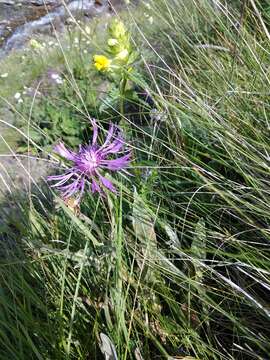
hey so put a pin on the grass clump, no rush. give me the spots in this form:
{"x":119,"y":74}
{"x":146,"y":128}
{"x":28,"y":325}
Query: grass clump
{"x":176,"y":264}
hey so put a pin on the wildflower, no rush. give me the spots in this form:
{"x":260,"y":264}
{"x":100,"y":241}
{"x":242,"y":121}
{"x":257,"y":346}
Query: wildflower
{"x":151,"y":20}
{"x":122,"y":55}
{"x":5,"y":75}
{"x":102,"y":63}
{"x":88,"y":164}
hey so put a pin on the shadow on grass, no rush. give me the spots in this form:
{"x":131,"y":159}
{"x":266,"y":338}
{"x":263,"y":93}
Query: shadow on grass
{"x":28,"y":329}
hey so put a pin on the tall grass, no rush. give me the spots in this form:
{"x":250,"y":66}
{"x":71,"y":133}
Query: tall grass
{"x":177,"y":264}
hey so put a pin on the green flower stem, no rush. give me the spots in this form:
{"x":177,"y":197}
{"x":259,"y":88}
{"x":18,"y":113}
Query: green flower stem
{"x":124,"y":124}
{"x":123,"y":85}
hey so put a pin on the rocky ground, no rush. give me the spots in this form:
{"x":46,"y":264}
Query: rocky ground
{"x":21,"y":20}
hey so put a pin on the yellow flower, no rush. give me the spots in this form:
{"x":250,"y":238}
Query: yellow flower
{"x":102,"y":63}
{"x":122,"y":55}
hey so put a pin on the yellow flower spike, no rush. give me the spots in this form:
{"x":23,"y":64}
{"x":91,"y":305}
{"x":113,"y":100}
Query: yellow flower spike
{"x":101,"y":62}
{"x":118,"y":29}
{"x":112,"y":42}
{"x":122,"y":55}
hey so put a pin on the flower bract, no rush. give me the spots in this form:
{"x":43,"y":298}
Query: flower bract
{"x":112,"y":42}
{"x":117,"y":29}
{"x":122,"y":55}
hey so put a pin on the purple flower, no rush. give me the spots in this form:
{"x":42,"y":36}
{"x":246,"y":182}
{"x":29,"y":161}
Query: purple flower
{"x":88,"y":164}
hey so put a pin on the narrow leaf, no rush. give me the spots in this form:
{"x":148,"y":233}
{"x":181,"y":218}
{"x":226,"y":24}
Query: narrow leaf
{"x":107,"y":348}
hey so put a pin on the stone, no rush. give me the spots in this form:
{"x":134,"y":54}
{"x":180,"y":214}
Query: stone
{"x":7,"y":2}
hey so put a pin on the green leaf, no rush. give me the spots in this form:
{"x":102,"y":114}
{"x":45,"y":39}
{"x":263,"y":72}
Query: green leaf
{"x":37,"y":223}
{"x":72,"y":140}
{"x":34,"y":135}
{"x":80,"y":225}
{"x":110,"y":101}
{"x":69,"y":126}
{"x":198,"y":251}
{"x":131,"y":95}
{"x":107,"y":347}
{"x":198,"y":247}
{"x":143,"y":226}
{"x":22,"y":149}
{"x":79,"y":257}
{"x":133,"y":57}
{"x":143,"y":222}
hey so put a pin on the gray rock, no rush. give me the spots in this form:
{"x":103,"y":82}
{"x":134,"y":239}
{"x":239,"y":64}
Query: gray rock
{"x":30,"y":2}
{"x":7,"y":2}
{"x":40,"y":2}
{"x":19,"y":172}
{"x":33,"y":17}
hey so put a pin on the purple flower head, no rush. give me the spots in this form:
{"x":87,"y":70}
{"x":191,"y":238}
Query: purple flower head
{"x":89,"y":162}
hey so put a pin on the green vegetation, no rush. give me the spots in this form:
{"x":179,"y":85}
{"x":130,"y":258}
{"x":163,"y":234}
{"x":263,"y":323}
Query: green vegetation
{"x":176,"y":264}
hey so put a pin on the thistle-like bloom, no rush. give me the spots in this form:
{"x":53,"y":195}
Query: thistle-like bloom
{"x":89,"y":162}
{"x":101,"y":62}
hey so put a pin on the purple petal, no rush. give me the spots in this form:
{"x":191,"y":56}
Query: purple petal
{"x":55,"y":177}
{"x":62,"y":179}
{"x":117,"y":164}
{"x":71,"y":189}
{"x":109,"y":135}
{"x":107,"y":183}
{"x":82,"y":185}
{"x":95,"y":187}
{"x":82,"y":149}
{"x":64,"y":152}
{"x":114,"y":147}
